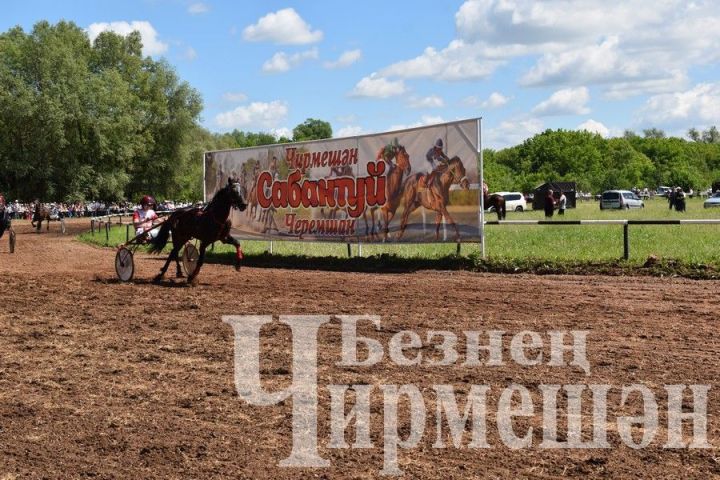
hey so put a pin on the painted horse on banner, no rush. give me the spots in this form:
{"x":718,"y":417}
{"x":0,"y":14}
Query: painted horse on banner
{"x":434,"y":196}
{"x":393,"y":187}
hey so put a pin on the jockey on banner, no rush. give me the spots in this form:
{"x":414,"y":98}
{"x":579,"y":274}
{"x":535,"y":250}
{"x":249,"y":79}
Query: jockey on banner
{"x":387,"y":153}
{"x":438,"y":163}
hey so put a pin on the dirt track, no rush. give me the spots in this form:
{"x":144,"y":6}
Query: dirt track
{"x":107,"y":380}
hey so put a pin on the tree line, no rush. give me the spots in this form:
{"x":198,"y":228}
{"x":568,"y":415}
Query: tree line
{"x":83,"y":121}
{"x":596,"y":163}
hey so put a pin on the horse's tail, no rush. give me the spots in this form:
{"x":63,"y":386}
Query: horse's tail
{"x":158,"y":243}
{"x":503,"y":207}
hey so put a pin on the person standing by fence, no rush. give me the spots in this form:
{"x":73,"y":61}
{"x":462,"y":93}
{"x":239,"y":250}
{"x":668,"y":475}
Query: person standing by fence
{"x":549,"y":204}
{"x":562,"y":203}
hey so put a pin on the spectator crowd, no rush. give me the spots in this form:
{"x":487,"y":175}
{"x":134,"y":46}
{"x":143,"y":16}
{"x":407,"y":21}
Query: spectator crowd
{"x":19,"y":210}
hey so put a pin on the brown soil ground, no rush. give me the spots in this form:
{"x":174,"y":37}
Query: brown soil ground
{"x":108,"y":380}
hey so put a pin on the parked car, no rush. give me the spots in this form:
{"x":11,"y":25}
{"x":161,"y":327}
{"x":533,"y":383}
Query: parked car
{"x":713,"y":201}
{"x":663,"y":191}
{"x":514,"y":201}
{"x":618,"y":199}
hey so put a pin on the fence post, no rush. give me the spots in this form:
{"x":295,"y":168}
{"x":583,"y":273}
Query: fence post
{"x":626,"y":241}
{"x":127,"y":233}
{"x":349,"y":250}
{"x":92,"y":226}
{"x":457,"y":251}
{"x":107,"y":233}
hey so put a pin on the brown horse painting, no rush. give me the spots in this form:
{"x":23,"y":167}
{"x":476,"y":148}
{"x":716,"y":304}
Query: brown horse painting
{"x":435,"y":196}
{"x":393,"y":187}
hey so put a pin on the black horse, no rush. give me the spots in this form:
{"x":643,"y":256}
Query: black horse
{"x":4,"y":221}
{"x":208,"y":225}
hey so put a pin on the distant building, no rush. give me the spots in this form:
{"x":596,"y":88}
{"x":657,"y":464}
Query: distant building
{"x":569,"y":188}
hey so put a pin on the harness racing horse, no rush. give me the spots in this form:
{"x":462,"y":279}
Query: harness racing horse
{"x":208,"y":225}
{"x":4,"y":221}
{"x":393,"y":185}
{"x":497,"y":202}
{"x":42,"y":213}
{"x":435,"y":196}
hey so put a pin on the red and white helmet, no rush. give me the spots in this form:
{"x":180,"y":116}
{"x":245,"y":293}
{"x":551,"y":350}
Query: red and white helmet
{"x":147,"y":200}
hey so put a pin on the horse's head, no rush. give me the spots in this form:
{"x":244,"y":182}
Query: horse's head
{"x":457,"y":171}
{"x":235,"y":194}
{"x":402,"y":158}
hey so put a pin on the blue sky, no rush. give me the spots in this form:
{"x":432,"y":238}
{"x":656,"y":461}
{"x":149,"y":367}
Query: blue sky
{"x":373,"y":66}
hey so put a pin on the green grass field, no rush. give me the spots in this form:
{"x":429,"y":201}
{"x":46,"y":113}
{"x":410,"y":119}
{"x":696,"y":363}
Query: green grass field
{"x":526,"y":245}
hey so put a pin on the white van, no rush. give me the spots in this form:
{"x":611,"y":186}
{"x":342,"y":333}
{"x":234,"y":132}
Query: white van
{"x":619,"y":199}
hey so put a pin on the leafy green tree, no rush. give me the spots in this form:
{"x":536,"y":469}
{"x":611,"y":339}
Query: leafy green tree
{"x":312,"y":129}
{"x":83,"y":121}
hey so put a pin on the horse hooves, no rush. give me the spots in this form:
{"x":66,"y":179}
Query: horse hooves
{"x":193,"y":282}
{"x":157,"y":279}
{"x":237,"y":268}
{"x":179,"y":275}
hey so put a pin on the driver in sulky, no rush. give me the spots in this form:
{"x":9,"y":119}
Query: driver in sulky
{"x":144,"y":218}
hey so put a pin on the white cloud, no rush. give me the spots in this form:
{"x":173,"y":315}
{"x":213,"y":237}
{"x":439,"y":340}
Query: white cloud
{"x":676,"y":81}
{"x":349,"y":131}
{"x":458,"y":61}
{"x":529,"y":22}
{"x":281,"y":132}
{"x":151,"y":44}
{"x":424,"y":120}
{"x":282,"y":62}
{"x":283,"y":27}
{"x":432,"y":101}
{"x":495,"y":100}
{"x":190,"y":54}
{"x":198,"y":8}
{"x":568,"y":101}
{"x":697,"y":106}
{"x":350,"y":118}
{"x":345,"y":60}
{"x":512,"y":132}
{"x":257,"y":115}
{"x":234,"y":97}
{"x":629,"y":48}
{"x":594,"y":127}
{"x":378,"y":87}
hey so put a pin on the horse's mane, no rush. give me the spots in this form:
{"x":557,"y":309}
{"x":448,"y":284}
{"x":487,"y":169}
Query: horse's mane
{"x":216,"y":196}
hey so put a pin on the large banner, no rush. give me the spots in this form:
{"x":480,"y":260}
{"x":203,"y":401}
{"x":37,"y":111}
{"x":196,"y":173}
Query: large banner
{"x":403,"y":186}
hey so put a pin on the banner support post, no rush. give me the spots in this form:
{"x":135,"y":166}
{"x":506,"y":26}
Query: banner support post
{"x":480,"y":190}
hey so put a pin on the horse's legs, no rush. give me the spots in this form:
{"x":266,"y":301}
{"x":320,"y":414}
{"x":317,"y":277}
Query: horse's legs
{"x":438,"y":219}
{"x":447,"y":216}
{"x":173,"y":256}
{"x":192,"y":279}
{"x":230,"y":240}
{"x":410,"y":206}
{"x":178,"y":271}
{"x":386,"y":229}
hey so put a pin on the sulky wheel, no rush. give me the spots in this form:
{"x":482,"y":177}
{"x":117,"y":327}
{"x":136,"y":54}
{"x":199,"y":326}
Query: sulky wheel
{"x":190,"y":258}
{"x":124,"y":264}
{"x":12,"y":241}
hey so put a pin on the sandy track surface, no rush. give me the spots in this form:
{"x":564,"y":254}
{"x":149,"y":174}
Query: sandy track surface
{"x":107,"y":380}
